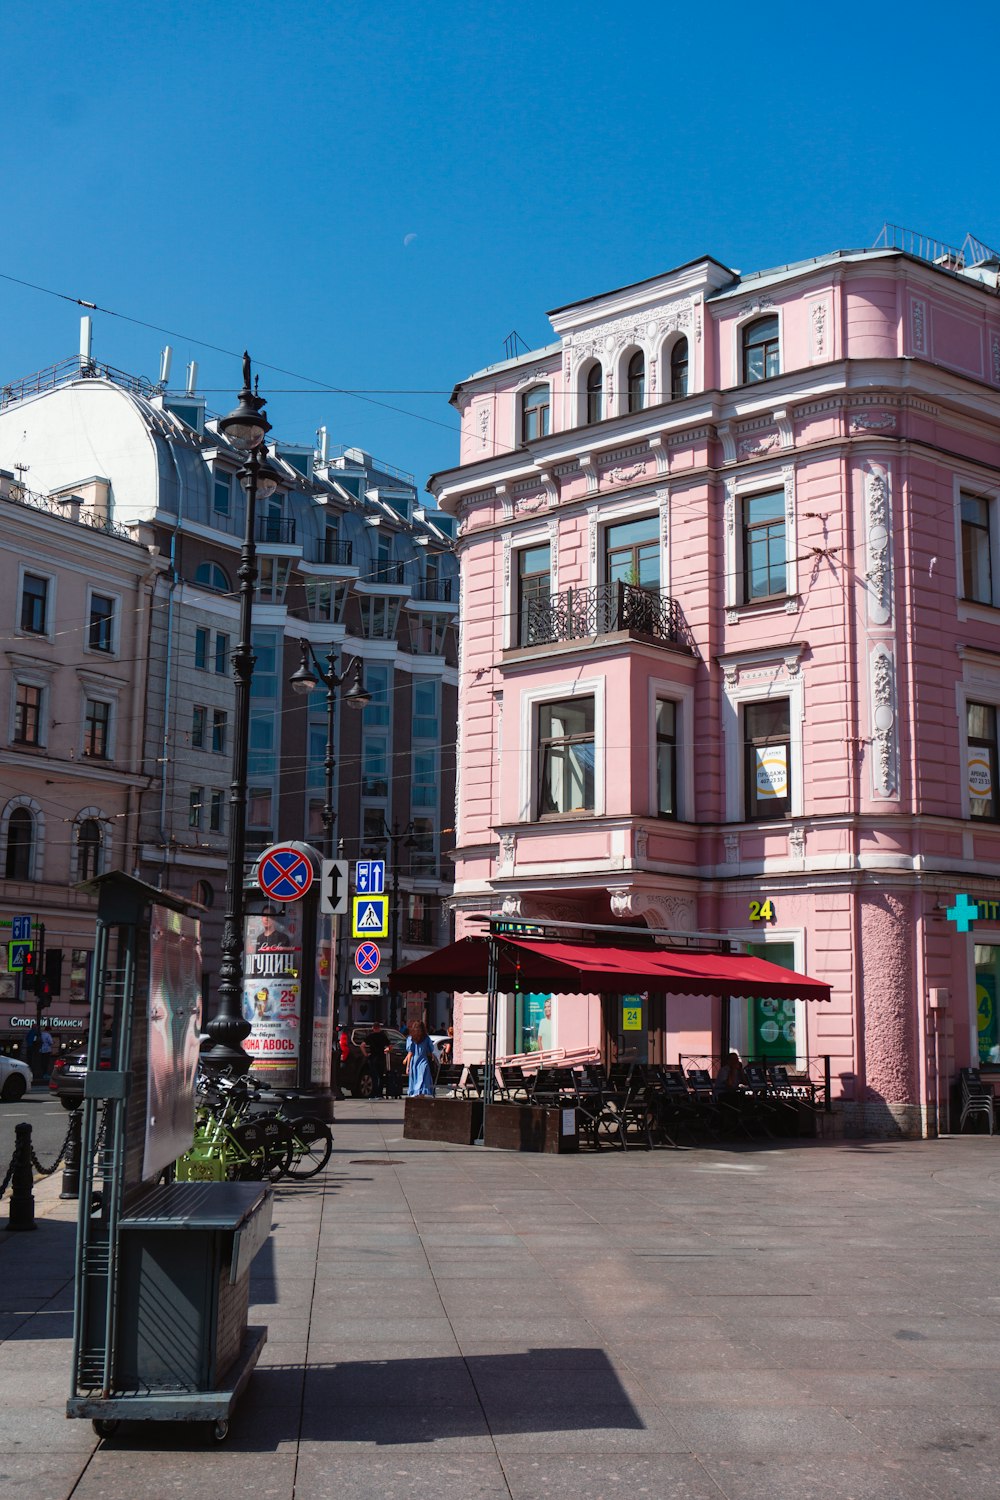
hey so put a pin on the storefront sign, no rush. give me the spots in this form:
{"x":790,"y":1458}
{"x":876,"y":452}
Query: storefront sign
{"x":966,"y":911}
{"x":763,"y":911}
{"x":631,"y":1018}
{"x":980,"y":776}
{"x":54,"y":1023}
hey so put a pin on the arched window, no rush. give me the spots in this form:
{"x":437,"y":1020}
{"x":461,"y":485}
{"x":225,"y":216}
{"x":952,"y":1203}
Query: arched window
{"x":636,"y":381}
{"x":679,"y":370}
{"x":535,"y":413}
{"x":595,"y":394}
{"x":760,"y":350}
{"x":20,"y":844}
{"x":90,"y":848}
{"x":211,"y":576}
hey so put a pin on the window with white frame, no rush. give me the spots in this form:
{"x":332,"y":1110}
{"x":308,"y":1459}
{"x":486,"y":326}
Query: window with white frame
{"x":635,"y":382}
{"x":594,"y":394}
{"x":35,"y":603}
{"x":977,"y":549}
{"x":29,"y":707}
{"x":764,"y":545}
{"x":632,"y":553}
{"x":535,"y":406}
{"x":679,"y":370}
{"x":565,"y":745}
{"x":534,"y":583}
{"x":101,"y":623}
{"x":666,"y":758}
{"x":767,"y":759}
{"x":981,"y":761}
{"x":761,"y":349}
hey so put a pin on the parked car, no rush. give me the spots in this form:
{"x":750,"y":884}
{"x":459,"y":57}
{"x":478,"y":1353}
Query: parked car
{"x":355,"y":1073}
{"x":15,"y":1079}
{"x":68,"y":1073}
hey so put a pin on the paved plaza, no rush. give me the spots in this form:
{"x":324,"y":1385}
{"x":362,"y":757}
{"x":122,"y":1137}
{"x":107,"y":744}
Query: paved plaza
{"x":806,"y":1322}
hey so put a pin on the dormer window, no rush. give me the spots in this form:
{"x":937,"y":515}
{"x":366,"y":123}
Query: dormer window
{"x":761,"y":358}
{"x":636,"y":381}
{"x":535,"y":413}
{"x":595,"y":394}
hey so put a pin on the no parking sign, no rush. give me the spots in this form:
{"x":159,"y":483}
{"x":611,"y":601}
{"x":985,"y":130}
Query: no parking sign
{"x":284,"y":873}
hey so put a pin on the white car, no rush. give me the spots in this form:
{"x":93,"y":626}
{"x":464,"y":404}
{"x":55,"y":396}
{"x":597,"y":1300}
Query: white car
{"x":15,"y":1079}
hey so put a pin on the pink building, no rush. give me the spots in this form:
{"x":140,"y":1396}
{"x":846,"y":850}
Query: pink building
{"x":730,"y":561}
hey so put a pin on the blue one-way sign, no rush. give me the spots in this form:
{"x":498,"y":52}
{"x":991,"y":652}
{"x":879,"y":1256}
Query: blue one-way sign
{"x":369,"y":877}
{"x":20,"y":929}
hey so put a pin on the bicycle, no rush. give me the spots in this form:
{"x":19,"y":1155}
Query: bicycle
{"x":228,"y":1148}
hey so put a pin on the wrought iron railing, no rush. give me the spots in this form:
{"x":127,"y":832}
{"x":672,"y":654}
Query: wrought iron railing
{"x":419,"y":930}
{"x":333,"y":553}
{"x":18,"y":495}
{"x":600,"y":609}
{"x":391,"y":572}
{"x":76,"y":367}
{"x":439,"y":589}
{"x":276,"y":530}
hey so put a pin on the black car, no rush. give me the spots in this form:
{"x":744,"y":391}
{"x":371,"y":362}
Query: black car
{"x":68,"y":1073}
{"x":355,"y":1073}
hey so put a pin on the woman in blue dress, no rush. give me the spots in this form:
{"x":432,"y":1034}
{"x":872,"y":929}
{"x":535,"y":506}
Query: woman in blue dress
{"x":419,"y":1054}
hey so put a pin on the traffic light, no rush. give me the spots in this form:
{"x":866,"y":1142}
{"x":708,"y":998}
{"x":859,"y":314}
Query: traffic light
{"x":29,"y":974}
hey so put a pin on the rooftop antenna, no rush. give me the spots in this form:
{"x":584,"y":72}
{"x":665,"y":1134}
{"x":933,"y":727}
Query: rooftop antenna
{"x":86,"y":338}
{"x":165,"y":359}
{"x":323,"y":442}
{"x":192,"y":377}
{"x":511,"y":342}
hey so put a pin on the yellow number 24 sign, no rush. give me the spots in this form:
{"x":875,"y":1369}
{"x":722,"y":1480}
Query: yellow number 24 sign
{"x":631,"y":1018}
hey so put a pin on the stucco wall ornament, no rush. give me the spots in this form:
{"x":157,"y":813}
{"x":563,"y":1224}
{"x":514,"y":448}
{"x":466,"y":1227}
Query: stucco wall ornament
{"x":873,"y":421}
{"x":797,"y":841}
{"x":879,"y":561}
{"x":731,"y":842}
{"x":641,"y":842}
{"x":995,"y":358}
{"x":883,"y":691}
{"x":919,"y":318}
{"x":511,"y":906}
{"x":508,"y":849}
{"x":755,"y":447}
{"x":506,"y":559}
{"x":755,"y":305}
{"x":528,"y":504}
{"x":818,"y":328}
{"x":621,"y":902}
{"x":619,"y":475}
{"x":484,"y":425}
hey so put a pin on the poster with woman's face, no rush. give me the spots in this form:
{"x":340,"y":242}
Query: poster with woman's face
{"x":173,"y":1038}
{"x":272,"y":987}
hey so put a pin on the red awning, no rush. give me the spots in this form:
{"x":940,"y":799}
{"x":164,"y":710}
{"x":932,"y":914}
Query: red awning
{"x":583,"y":969}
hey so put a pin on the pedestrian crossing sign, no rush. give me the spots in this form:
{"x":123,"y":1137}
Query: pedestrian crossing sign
{"x":370,"y":917}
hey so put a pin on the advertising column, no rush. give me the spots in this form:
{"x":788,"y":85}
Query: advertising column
{"x":272,"y":993}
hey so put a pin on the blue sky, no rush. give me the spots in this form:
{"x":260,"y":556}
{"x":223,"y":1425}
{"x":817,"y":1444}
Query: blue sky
{"x":374,"y":195}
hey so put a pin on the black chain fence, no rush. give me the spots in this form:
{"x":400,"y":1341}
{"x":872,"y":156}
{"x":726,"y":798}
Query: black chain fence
{"x":40,"y":1169}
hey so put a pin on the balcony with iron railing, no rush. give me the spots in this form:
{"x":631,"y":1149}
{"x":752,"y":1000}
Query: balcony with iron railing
{"x":275,"y":531}
{"x":434,"y":590}
{"x":581,"y":614}
{"x":419,"y":930}
{"x":332,"y":554}
{"x":386,"y":573}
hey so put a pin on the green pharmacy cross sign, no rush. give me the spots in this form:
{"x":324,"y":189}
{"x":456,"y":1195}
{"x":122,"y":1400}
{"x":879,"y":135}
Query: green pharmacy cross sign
{"x":966,"y":911}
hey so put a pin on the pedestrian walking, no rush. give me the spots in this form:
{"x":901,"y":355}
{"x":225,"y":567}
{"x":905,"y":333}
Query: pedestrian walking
{"x":419,"y":1052}
{"x":47,"y":1048}
{"x":377,"y":1045}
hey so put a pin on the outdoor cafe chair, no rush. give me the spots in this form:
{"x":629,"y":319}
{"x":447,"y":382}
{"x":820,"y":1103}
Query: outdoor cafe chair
{"x":512,"y":1083}
{"x":977,"y":1100}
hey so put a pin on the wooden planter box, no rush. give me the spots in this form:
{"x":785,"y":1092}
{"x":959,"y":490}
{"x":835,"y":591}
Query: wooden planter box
{"x":527,"y":1127}
{"x":457,"y":1121}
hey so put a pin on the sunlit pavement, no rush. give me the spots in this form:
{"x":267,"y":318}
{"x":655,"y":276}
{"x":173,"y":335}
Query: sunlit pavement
{"x":793,"y":1322}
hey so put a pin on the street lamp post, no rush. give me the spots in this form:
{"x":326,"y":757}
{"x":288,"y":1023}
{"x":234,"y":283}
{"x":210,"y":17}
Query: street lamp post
{"x":395,"y":837}
{"x":305,"y":680}
{"x":245,"y":429}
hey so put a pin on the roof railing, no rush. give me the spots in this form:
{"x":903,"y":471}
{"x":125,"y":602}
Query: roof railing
{"x":76,"y":367}
{"x":971,"y":252}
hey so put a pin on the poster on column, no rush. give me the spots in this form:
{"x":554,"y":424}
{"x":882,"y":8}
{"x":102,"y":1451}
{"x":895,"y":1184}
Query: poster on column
{"x":321,"y":1064}
{"x":272,"y":992}
{"x":174,"y":1029}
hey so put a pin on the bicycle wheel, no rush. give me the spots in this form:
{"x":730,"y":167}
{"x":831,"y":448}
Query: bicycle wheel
{"x":261,"y":1151}
{"x":312,"y":1142}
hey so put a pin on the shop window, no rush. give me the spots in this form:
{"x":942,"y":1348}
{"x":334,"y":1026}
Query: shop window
{"x":566,"y":757}
{"x":987,"y":961}
{"x":981,"y":725}
{"x":535,"y":413}
{"x":760,"y":350}
{"x":767,"y":753}
{"x":977,"y":562}
{"x":764,"y":546}
{"x":768,"y":1030}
